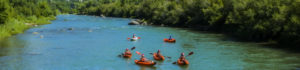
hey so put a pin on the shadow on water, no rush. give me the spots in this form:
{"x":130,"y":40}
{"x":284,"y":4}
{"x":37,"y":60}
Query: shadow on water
{"x":126,"y":59}
{"x":186,"y":45}
{"x":280,"y":47}
{"x":229,"y":37}
{"x":159,"y":62}
{"x":184,"y":67}
{"x":10,"y":48}
{"x":143,"y":67}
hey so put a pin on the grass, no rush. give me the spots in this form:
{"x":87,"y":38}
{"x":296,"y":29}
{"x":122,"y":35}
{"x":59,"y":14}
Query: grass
{"x":16,"y":26}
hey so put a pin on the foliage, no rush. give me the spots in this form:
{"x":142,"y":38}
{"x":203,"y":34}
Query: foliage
{"x":18,"y":15}
{"x":256,"y":20}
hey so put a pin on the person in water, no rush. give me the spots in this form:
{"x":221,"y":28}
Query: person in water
{"x":143,"y":59}
{"x":127,"y":52}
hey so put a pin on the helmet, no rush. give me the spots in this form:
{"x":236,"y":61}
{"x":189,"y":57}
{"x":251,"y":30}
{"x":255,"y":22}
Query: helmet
{"x":182,"y":54}
{"x":126,"y":49}
{"x":158,"y":50}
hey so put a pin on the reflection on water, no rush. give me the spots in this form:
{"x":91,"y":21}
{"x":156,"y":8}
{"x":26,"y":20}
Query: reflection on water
{"x":94,"y":43}
{"x":10,"y":51}
{"x":143,"y":67}
{"x":11,"y":46}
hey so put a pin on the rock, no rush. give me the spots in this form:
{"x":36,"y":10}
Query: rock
{"x":162,"y":25}
{"x":35,"y":33}
{"x":29,"y":24}
{"x":65,"y":19}
{"x":133,"y":23}
{"x":34,"y":53}
{"x":102,"y":16}
{"x":70,"y":28}
{"x":41,"y":36}
{"x":90,"y":30}
{"x":144,"y":23}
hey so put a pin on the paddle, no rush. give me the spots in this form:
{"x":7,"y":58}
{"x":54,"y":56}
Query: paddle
{"x":166,"y":56}
{"x":120,"y":55}
{"x":138,"y":38}
{"x":124,"y":54}
{"x":191,"y":53}
{"x":137,"y":52}
{"x":133,"y":48}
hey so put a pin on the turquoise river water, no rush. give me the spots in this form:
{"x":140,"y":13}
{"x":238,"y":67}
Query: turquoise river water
{"x":93,"y":43}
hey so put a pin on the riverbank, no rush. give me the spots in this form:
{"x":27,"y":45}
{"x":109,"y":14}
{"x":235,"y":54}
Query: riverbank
{"x":19,"y":15}
{"x":15,"y":26}
{"x":273,"y":44}
{"x":81,"y":49}
{"x":254,"y":21}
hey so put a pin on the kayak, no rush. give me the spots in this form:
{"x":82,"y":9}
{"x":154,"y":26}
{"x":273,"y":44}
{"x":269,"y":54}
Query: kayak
{"x":158,"y":58}
{"x":127,"y":55}
{"x":172,"y":40}
{"x":134,"y":39}
{"x":185,"y":62}
{"x":149,"y":63}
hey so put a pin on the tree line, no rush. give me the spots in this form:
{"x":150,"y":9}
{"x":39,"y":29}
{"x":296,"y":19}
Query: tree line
{"x":18,"y":15}
{"x":254,"y":20}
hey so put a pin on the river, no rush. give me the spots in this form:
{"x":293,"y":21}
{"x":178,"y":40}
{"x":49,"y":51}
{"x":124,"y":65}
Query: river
{"x":93,"y":43}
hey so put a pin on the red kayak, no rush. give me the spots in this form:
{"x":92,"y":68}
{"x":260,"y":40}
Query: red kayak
{"x":185,"y":62}
{"x":168,"y":40}
{"x":127,"y":55}
{"x":158,"y":58}
{"x":148,"y":63}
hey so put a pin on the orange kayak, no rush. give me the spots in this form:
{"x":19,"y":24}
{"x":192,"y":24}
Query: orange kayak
{"x":144,"y":63}
{"x":158,"y":58}
{"x":172,"y":40}
{"x":127,"y":55}
{"x":185,"y":62}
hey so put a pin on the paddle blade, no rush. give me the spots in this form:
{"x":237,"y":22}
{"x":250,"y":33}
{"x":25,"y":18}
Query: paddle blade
{"x":191,"y":53}
{"x":137,"y":52}
{"x":139,"y":37}
{"x":128,"y":38}
{"x":174,"y":63}
{"x":121,"y":55}
{"x":150,"y":53}
{"x":169,"y":57}
{"x":132,"y":48}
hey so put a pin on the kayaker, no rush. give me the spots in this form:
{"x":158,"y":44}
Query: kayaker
{"x":133,"y":36}
{"x":158,"y":56}
{"x":127,"y":52}
{"x":170,"y":38}
{"x":182,"y":58}
{"x":158,"y":53}
{"x":143,"y":59}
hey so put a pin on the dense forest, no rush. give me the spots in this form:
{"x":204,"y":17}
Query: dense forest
{"x":18,"y":15}
{"x":252,"y":20}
